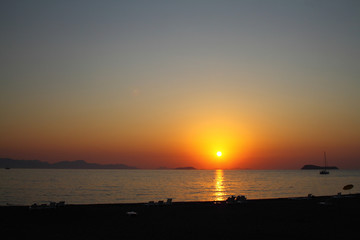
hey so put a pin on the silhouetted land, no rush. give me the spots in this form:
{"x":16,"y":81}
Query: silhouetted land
{"x":185,"y":168}
{"x":314,"y":167}
{"x":315,"y":218}
{"x":79,"y":164}
{"x":178,"y":168}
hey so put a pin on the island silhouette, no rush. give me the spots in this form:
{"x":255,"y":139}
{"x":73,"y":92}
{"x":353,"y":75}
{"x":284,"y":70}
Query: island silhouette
{"x":315,"y":167}
{"x":78,"y":164}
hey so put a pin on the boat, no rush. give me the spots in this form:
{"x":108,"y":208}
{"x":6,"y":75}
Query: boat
{"x":324,"y":171}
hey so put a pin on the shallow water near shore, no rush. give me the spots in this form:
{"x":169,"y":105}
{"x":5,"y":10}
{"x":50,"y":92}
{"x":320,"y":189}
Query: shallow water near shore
{"x":28,"y":186}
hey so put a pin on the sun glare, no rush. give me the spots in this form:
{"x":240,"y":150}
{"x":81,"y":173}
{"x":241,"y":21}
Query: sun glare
{"x":219,"y":154}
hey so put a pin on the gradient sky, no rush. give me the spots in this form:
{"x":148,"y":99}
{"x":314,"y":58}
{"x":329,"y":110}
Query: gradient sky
{"x":271,"y":84}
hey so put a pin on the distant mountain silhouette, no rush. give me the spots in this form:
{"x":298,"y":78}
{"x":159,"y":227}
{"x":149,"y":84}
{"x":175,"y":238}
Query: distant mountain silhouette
{"x":79,"y":164}
{"x":314,"y":167}
{"x":185,"y":168}
{"x":178,"y":168}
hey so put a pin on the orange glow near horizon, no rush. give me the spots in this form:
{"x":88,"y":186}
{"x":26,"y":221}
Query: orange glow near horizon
{"x":177,"y":143}
{"x":218,"y":144}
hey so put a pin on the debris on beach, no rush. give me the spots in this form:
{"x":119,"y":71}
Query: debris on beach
{"x":131,"y":213}
{"x":160,"y":203}
{"x":51,"y":205}
{"x":238,"y":199}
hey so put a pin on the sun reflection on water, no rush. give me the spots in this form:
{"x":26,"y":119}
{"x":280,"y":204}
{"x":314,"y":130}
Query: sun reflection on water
{"x":219,"y":186}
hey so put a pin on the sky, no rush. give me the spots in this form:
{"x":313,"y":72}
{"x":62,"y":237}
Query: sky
{"x":270,"y":84}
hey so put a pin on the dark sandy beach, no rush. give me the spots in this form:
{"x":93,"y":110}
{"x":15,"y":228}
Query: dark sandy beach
{"x":298,"y":218}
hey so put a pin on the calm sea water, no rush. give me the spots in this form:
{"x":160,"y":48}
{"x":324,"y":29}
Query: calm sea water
{"x":28,"y":186}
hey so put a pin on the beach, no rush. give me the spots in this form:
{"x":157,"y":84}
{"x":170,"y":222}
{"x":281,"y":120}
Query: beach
{"x":327,"y":217}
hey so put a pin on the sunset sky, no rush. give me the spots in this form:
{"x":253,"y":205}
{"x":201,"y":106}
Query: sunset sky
{"x":270,"y":84}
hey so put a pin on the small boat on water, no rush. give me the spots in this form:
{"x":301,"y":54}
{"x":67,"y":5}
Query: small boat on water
{"x":324,"y":171}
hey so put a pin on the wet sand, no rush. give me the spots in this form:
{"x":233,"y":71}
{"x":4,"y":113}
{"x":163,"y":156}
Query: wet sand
{"x":300,"y":218}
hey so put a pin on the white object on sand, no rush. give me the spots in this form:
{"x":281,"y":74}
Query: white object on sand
{"x":131,"y":213}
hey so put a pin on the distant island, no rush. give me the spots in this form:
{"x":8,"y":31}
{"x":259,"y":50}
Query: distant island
{"x":79,"y":164}
{"x":185,"y":168}
{"x":178,"y":168}
{"x":314,"y":167}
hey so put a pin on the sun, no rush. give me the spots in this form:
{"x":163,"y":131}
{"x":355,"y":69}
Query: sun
{"x":219,"y":154}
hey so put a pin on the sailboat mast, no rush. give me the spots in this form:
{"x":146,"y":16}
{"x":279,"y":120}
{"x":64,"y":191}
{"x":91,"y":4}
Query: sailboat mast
{"x":324,"y":171}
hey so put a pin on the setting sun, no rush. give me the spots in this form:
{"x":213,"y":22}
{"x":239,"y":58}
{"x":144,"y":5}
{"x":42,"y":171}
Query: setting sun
{"x":219,"y":154}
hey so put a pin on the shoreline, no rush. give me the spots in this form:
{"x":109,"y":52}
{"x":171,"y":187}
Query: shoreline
{"x":293,"y":218}
{"x":322,"y":197}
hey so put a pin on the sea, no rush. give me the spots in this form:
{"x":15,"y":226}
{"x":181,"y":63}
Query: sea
{"x":29,"y":186}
